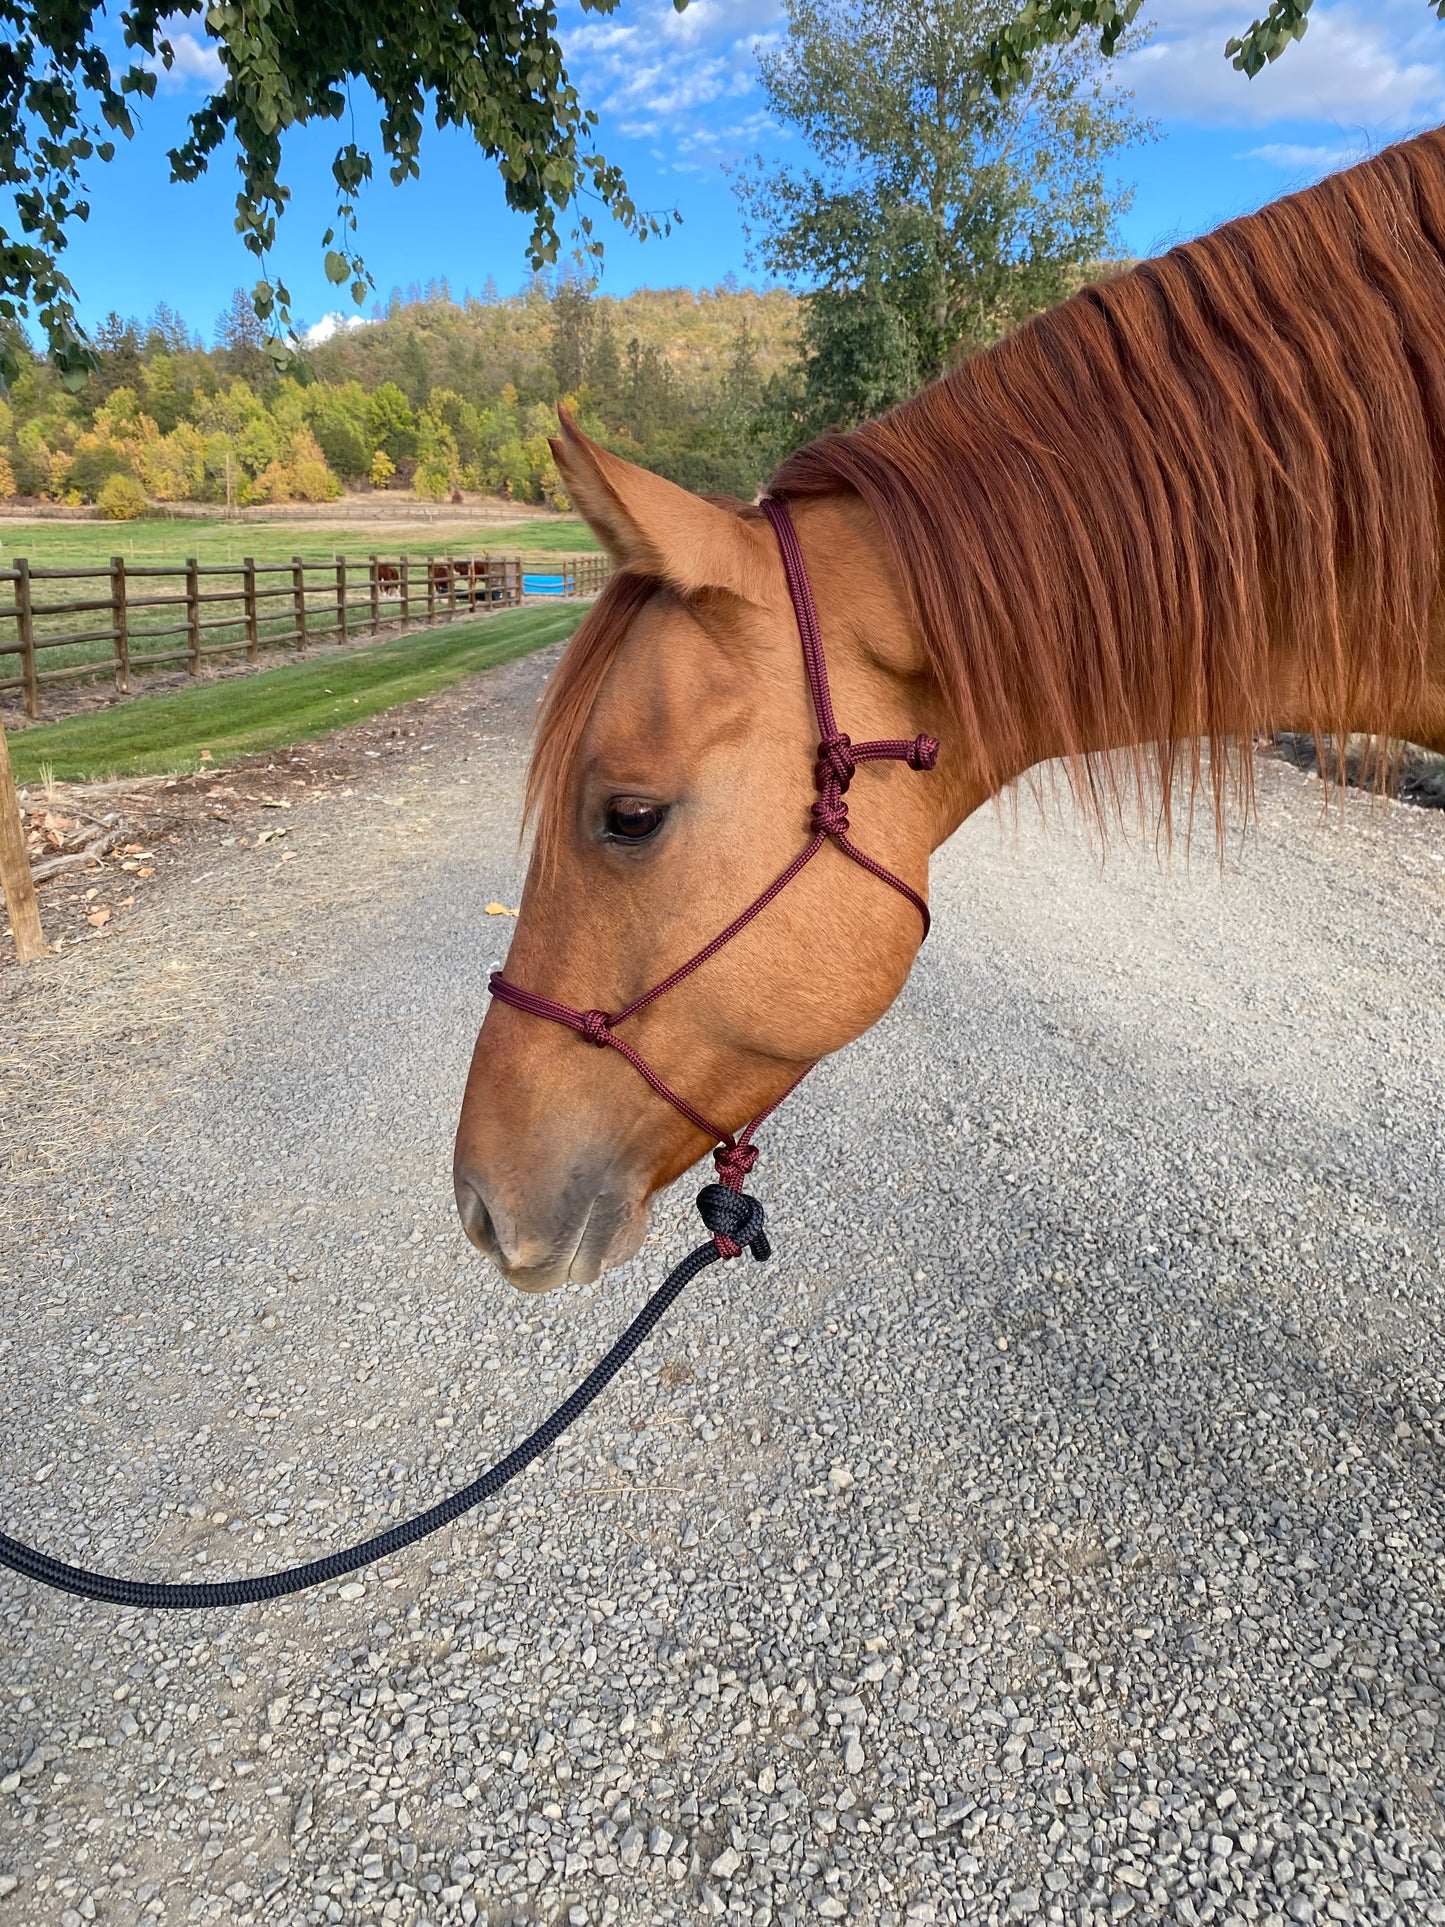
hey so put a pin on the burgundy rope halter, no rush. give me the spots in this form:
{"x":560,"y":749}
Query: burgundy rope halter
{"x":837,"y":761}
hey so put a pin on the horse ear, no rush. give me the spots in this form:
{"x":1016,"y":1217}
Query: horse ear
{"x":650,"y":526}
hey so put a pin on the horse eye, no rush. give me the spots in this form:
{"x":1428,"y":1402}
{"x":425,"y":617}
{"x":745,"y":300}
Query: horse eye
{"x":629,"y":818}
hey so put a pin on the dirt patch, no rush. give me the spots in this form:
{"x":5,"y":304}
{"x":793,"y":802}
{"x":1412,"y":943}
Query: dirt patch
{"x":99,"y":849}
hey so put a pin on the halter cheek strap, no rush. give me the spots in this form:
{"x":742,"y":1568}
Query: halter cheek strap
{"x":837,"y":762}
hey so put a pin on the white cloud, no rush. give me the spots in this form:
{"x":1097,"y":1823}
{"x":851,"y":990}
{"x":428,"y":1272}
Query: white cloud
{"x":331,"y":324}
{"x":196,"y":61}
{"x":1295,"y":159}
{"x":678,"y":75}
{"x":1376,"y":63}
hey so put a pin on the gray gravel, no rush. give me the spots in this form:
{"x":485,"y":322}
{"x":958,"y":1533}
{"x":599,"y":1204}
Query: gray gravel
{"x":1052,"y":1532}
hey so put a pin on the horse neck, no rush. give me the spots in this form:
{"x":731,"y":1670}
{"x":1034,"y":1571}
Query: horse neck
{"x":884,"y":682}
{"x":1199,"y":501}
{"x":1129,"y":703}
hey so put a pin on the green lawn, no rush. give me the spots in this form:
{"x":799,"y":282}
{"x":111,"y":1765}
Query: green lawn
{"x":77,"y":545}
{"x":163,"y":735}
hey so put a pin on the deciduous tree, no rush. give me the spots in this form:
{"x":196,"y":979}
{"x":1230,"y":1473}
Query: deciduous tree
{"x":936,"y":215}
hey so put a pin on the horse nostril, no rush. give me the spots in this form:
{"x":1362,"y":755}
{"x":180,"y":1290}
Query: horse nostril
{"x":476,"y":1219}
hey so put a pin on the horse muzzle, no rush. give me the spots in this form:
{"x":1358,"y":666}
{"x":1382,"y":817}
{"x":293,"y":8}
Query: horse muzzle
{"x":584,"y":1230}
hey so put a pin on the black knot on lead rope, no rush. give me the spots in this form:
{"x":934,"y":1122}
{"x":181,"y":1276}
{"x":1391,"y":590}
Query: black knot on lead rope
{"x":735,"y":1220}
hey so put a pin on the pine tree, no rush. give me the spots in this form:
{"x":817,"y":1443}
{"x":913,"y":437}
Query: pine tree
{"x":651,"y":398}
{"x":241,"y":338}
{"x":744,"y":384}
{"x":117,"y":347}
{"x":604,"y":371}
{"x":573,"y":325}
{"x":238,"y":326}
{"x":166,"y":333}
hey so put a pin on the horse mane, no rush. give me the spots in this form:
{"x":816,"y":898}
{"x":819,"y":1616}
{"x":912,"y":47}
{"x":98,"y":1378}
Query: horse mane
{"x":1111,"y":524}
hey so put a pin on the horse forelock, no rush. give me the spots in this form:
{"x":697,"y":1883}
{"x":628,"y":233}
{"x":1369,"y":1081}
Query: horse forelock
{"x":575,"y":685}
{"x":569,"y":699}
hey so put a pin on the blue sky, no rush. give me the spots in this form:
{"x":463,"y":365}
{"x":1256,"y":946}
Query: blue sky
{"x":679,"y":99}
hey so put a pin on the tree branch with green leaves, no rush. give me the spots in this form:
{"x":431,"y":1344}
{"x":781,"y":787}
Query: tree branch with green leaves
{"x":1008,"y":58}
{"x":492,"y":67}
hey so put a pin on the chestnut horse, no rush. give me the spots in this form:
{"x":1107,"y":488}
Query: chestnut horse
{"x":1200,"y":500}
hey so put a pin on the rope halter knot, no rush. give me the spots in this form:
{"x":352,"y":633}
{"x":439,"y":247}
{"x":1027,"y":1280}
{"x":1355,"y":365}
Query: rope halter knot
{"x":922,"y":753}
{"x":734,"y":1162}
{"x":836,"y":765}
{"x":830,"y":814}
{"x":735,"y":1221}
{"x":832,"y":773}
{"x":596,"y":1028}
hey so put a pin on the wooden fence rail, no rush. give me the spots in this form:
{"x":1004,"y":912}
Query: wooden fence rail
{"x":132,"y":620}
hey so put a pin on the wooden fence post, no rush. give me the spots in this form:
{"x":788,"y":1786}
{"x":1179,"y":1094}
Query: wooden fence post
{"x":120,"y":622}
{"x":193,"y":615}
{"x":405,"y":567}
{"x":341,"y":597}
{"x":298,"y":597}
{"x":375,"y":596}
{"x":431,"y":589}
{"x":15,"y":875}
{"x":451,"y":589}
{"x":25,"y":628}
{"x":248,"y":596}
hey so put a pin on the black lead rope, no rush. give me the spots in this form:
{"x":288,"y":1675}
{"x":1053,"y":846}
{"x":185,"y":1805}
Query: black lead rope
{"x":730,"y":1215}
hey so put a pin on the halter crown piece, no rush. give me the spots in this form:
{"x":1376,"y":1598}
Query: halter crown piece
{"x":836,"y":765}
{"x":734,"y":1219}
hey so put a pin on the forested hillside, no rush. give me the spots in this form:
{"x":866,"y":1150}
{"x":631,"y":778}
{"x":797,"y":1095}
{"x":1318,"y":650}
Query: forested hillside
{"x":432,"y":396}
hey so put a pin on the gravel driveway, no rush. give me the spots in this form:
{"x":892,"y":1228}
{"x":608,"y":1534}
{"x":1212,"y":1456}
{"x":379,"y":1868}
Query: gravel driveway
{"x":1053,"y":1531}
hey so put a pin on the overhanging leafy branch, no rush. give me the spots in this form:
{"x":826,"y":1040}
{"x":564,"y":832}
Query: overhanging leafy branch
{"x":492,"y":67}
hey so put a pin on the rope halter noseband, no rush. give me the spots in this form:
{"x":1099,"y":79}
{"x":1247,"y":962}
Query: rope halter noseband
{"x":837,"y":763}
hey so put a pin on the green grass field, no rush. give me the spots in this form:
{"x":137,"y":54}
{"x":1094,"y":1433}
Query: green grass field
{"x":81,"y":545}
{"x":164,"y":735}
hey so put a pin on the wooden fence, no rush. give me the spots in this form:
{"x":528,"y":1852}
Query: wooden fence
{"x":137,"y":620}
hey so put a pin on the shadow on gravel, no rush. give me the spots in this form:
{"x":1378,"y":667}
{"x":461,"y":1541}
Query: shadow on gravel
{"x":1405,"y":771}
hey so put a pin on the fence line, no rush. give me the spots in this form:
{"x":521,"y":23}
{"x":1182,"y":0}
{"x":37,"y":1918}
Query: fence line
{"x":241,"y":608}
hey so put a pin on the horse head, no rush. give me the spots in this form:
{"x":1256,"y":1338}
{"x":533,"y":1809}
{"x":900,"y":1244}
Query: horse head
{"x":672,"y":782}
